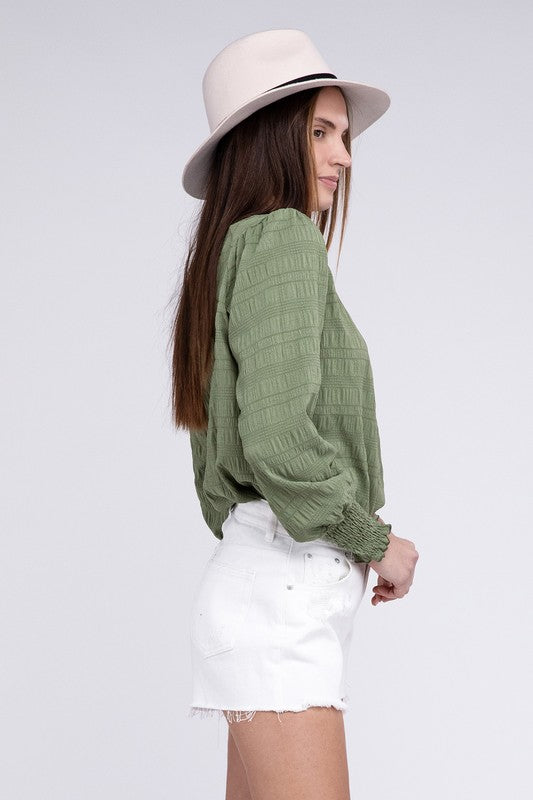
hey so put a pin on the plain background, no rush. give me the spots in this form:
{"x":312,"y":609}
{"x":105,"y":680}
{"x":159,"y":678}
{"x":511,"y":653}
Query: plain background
{"x":102,"y":539}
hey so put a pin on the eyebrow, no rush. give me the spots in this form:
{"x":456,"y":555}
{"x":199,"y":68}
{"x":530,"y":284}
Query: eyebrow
{"x":328,"y":123}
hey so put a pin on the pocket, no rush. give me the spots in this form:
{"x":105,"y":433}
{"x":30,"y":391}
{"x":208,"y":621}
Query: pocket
{"x":325,"y":568}
{"x":220,"y":606}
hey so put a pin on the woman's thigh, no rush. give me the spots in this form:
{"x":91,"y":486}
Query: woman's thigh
{"x":294,"y":754}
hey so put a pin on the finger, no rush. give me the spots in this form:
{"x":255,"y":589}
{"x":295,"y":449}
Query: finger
{"x":397,"y":593}
{"x":384,"y":591}
{"x":383,"y":599}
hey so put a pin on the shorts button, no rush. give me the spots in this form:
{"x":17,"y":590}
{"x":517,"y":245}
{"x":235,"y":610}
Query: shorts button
{"x":337,"y":560}
{"x":309,"y":555}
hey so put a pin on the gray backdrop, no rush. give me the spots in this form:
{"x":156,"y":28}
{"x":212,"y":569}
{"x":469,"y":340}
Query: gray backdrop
{"x":102,"y":539}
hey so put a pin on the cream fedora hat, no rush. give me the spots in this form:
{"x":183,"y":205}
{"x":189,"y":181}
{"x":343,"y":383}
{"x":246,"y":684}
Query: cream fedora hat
{"x":258,"y":69}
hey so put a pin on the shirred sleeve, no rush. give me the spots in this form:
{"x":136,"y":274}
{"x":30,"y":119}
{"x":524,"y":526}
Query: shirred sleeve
{"x":276,"y":317}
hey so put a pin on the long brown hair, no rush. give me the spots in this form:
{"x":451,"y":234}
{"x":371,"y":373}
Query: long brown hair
{"x":266,"y":162}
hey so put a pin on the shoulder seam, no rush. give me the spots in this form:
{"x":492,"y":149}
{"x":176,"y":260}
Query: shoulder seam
{"x":265,"y":218}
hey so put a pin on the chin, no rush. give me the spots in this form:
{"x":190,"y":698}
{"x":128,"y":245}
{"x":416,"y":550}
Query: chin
{"x":324,"y":202}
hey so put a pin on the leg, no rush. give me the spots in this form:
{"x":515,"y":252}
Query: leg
{"x":236,"y":779}
{"x":301,"y":755}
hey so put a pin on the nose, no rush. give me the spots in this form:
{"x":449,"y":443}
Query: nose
{"x":340,"y":155}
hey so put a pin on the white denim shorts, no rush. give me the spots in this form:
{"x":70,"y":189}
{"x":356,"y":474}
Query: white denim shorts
{"x":272,"y":620}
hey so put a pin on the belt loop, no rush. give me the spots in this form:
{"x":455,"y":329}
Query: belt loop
{"x":271,"y":527}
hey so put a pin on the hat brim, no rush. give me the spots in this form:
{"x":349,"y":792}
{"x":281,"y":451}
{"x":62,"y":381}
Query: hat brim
{"x":366,"y":104}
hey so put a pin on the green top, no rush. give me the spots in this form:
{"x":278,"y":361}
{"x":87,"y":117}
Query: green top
{"x":290,"y":399}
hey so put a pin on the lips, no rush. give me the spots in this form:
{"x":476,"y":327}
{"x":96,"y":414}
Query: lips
{"x":332,"y":184}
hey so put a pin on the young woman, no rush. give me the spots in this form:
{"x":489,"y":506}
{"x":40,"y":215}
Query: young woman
{"x":272,"y":379}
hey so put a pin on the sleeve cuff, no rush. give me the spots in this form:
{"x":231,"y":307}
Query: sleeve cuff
{"x":365,"y":537}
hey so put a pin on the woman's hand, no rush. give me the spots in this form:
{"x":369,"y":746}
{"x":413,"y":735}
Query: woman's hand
{"x":395,"y":570}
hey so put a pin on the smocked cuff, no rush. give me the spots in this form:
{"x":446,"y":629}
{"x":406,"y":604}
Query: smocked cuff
{"x":364,"y":536}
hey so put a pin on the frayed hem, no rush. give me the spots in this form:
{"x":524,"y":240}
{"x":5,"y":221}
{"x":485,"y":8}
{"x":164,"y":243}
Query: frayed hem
{"x":247,"y":716}
{"x":231,"y":716}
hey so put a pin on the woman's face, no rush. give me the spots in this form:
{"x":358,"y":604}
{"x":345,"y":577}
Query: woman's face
{"x":329,"y":124}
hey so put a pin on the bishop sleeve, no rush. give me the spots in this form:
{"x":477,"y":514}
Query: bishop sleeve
{"x":276,"y":317}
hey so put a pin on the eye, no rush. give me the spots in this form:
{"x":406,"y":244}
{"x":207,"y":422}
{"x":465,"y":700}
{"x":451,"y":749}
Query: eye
{"x":317,"y":130}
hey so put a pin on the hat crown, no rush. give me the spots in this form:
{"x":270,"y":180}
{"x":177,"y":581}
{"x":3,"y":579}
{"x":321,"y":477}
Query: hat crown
{"x":252,"y":65}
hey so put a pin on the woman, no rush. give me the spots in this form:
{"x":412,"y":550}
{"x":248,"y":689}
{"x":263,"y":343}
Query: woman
{"x":272,"y":380}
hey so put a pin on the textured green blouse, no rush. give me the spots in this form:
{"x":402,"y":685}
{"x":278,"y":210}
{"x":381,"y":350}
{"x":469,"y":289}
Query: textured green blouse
{"x":290,"y":399}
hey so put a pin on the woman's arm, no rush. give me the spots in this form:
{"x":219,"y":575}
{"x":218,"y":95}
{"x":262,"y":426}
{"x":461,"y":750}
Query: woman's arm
{"x":276,"y":317}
